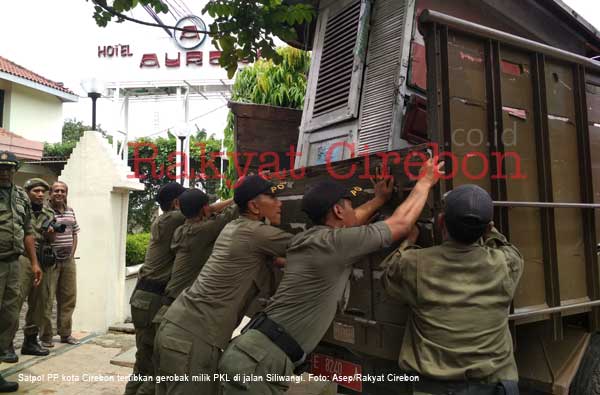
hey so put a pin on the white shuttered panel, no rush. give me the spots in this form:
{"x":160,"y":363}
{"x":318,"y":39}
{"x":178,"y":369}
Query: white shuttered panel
{"x":335,"y":70}
{"x":336,"y":75}
{"x":381,"y":74}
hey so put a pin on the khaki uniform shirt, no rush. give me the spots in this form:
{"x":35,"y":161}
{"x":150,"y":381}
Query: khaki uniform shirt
{"x":193,"y":243}
{"x":15,"y":221}
{"x":159,"y":256}
{"x":37,"y":220}
{"x":459,"y":296}
{"x":319,"y":263}
{"x":229,"y":281}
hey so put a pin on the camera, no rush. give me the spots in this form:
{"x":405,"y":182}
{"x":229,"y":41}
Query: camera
{"x":51,"y":223}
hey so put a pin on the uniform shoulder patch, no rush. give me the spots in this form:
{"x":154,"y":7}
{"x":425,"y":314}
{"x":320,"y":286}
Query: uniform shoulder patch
{"x":21,"y":194}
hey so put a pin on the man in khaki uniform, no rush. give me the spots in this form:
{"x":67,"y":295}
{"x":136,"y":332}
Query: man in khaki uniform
{"x":193,"y":243}
{"x":457,"y":337}
{"x":16,"y":238}
{"x":319,"y":263}
{"x":38,"y":298}
{"x":152,"y":279}
{"x":199,"y":323}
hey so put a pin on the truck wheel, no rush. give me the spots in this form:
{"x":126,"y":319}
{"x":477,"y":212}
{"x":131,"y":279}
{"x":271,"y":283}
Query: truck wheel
{"x":587,"y":379}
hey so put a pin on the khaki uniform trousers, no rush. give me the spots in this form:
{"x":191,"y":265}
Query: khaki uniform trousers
{"x":254,"y":355}
{"x":183,"y":354}
{"x":38,"y":301}
{"x":144,"y":306}
{"x":63,"y":286}
{"x":10,"y":293}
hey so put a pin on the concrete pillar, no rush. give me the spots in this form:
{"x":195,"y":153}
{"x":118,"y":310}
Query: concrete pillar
{"x":124,"y":150}
{"x":99,"y":184}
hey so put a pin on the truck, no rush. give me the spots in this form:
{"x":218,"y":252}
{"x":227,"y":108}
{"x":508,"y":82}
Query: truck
{"x":505,"y":92}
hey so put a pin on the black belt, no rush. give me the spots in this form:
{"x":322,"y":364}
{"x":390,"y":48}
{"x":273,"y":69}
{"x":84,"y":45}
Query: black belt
{"x":156,"y":287}
{"x":11,"y":258}
{"x":167,"y":300}
{"x":464,"y":387}
{"x":262,"y":323}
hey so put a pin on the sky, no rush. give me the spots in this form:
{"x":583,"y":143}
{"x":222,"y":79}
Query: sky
{"x":60,"y":41}
{"x":588,"y":9}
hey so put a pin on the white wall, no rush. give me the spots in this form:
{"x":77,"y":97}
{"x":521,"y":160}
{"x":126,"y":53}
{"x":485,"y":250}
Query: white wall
{"x":99,"y":193}
{"x":34,"y":115}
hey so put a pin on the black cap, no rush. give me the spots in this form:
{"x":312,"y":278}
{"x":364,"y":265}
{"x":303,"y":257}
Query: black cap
{"x":249,"y":188}
{"x":8,"y":158}
{"x":320,"y":197}
{"x":192,"y":201}
{"x":468,"y":210}
{"x":169,"y":192}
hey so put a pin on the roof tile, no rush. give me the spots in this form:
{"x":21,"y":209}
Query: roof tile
{"x":19,"y":71}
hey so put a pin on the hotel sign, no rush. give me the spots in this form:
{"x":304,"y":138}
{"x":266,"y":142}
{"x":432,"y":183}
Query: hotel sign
{"x":188,"y":39}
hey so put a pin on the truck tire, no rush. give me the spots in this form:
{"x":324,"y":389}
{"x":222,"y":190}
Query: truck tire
{"x":587,"y":379}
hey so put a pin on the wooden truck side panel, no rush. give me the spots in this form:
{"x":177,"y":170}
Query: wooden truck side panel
{"x":521,"y":120}
{"x":528,"y":104}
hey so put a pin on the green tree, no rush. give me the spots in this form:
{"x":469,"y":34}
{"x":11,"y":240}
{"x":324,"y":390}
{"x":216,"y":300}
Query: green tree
{"x":72,"y":131}
{"x":142,"y":204}
{"x":242,"y":29}
{"x":265,"y":82}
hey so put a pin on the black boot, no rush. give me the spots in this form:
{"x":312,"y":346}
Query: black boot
{"x":8,"y":386}
{"x":9,"y":355}
{"x":31,"y":346}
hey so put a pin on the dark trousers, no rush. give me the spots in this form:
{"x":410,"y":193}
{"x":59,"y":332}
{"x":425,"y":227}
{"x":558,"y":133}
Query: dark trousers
{"x":144,"y":306}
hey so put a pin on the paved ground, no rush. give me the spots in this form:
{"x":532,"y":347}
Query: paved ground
{"x":71,"y":370}
{"x":19,"y":335}
{"x":87,"y":369}
{"x":100,"y":365}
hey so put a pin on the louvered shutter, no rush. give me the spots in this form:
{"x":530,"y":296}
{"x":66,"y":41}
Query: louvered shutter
{"x":381,"y":75}
{"x":335,"y":92}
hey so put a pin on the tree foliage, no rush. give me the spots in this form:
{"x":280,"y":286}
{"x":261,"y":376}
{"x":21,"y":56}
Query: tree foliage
{"x":265,"y":82}
{"x":142,"y":204}
{"x":135,"y":248}
{"x":72,"y":131}
{"x":241,"y":29}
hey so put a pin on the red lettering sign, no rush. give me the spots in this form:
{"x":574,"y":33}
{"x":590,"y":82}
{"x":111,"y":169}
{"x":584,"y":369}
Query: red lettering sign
{"x":125,"y":51}
{"x":189,"y":32}
{"x":149,"y":60}
{"x":173,"y":62}
{"x":193,"y":57}
{"x":214,"y":57}
{"x":114,"y":50}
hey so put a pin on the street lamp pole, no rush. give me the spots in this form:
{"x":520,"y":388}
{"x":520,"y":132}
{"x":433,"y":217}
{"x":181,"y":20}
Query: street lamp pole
{"x":94,"y":88}
{"x":94,"y":96}
{"x":181,"y":156}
